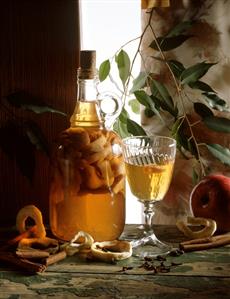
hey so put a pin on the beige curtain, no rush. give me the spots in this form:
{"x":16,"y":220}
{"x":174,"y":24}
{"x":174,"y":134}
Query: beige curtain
{"x":211,"y":43}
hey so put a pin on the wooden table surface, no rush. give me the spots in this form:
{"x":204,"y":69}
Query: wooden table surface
{"x":195,"y":275}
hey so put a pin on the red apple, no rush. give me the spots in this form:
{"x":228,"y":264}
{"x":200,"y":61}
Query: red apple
{"x":210,"y":198}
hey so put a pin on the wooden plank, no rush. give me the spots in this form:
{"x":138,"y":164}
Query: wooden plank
{"x":203,"y":274}
{"x":111,"y":286}
{"x":209,"y":263}
{"x":215,"y":263}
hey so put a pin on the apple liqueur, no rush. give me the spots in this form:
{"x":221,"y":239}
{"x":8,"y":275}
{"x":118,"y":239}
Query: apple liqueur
{"x":149,"y":182}
{"x":87,"y":191}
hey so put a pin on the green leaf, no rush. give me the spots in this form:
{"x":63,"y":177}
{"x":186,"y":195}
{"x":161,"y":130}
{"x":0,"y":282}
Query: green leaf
{"x":28,"y":102}
{"x":121,"y":128}
{"x":169,"y":43}
{"x":163,"y":95}
{"x":143,"y":98}
{"x":104,"y":70}
{"x":135,"y":106}
{"x":178,"y":134}
{"x":148,"y":112}
{"x":195,"y":72}
{"x":180,"y":28}
{"x":36,"y":136}
{"x":123,"y":64}
{"x":192,"y":148}
{"x":157,"y":102}
{"x":202,"y":110}
{"x":146,"y":100}
{"x":161,"y":91}
{"x":215,"y":102}
{"x":134,"y":128}
{"x":201,"y":86}
{"x":182,"y":140}
{"x":219,"y":124}
{"x":176,"y":126}
{"x":177,"y":67}
{"x":220,"y":152}
{"x":139,"y":82}
{"x":123,"y":115}
{"x":195,"y":176}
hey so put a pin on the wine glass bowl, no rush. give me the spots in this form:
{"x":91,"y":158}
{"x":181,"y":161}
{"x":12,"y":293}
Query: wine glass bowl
{"x":149,"y":162}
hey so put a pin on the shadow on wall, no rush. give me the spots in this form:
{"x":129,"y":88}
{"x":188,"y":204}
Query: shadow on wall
{"x":37,"y":56}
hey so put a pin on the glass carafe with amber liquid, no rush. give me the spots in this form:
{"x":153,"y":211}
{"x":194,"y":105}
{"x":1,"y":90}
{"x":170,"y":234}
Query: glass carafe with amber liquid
{"x":87,"y":190}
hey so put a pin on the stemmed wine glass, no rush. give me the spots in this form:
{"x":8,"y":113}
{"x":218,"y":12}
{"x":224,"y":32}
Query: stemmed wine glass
{"x":149,"y":162}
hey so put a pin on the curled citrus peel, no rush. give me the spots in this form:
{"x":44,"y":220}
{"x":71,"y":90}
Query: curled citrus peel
{"x":208,"y":230}
{"x":111,"y":250}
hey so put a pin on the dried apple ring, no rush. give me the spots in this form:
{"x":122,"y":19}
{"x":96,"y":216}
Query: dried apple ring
{"x":111,"y":250}
{"x":73,"y":247}
{"x":117,"y":166}
{"x":97,"y":145}
{"x":79,"y":137}
{"x":44,"y":243}
{"x":106,"y":172}
{"x":93,"y":181}
{"x":99,"y":156}
{"x":119,"y":184}
{"x":208,"y":230}
{"x":34,"y":213}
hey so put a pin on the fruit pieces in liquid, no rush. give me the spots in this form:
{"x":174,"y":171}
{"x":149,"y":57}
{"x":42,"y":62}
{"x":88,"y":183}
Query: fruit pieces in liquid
{"x":149,"y":182}
{"x":99,"y":214}
{"x":87,"y":191}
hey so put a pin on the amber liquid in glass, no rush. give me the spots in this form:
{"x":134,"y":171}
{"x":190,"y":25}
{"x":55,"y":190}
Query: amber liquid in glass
{"x":149,"y":182}
{"x":88,"y":187}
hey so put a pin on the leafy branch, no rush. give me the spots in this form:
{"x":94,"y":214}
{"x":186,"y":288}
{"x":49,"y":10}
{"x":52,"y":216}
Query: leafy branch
{"x":20,"y":135}
{"x":155,"y":96}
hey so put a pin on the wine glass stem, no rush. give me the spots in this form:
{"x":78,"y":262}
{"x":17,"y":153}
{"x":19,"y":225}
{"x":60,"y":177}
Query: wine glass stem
{"x":148,"y":214}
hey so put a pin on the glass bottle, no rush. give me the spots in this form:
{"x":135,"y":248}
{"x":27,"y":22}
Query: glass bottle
{"x":87,"y":191}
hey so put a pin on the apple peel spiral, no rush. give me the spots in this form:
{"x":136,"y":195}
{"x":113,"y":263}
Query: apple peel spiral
{"x":207,"y":231}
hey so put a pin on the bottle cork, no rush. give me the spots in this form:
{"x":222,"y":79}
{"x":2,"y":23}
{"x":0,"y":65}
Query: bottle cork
{"x":87,"y":68}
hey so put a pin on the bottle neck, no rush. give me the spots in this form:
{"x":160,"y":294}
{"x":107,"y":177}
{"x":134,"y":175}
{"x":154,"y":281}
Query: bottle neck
{"x":87,"y":110}
{"x":87,"y":90}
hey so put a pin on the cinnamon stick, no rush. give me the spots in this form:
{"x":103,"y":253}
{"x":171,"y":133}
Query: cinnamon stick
{"x":23,"y":264}
{"x":54,"y":258}
{"x":32,"y":254}
{"x":205,"y":243}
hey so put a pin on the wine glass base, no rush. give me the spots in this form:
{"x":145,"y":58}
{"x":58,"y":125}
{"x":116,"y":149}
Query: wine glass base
{"x":132,"y":234}
{"x":150,"y":247}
